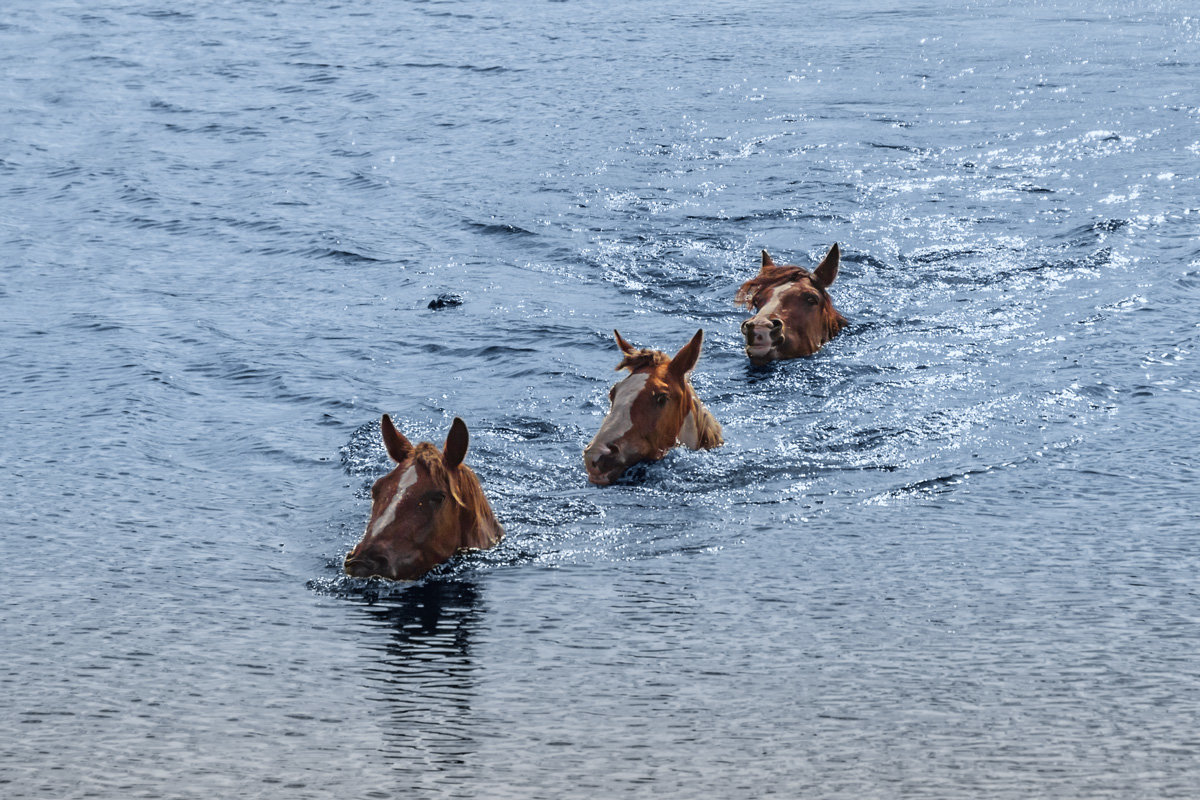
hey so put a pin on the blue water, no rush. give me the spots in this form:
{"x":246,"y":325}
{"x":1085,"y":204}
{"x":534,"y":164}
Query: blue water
{"x":953,"y":555}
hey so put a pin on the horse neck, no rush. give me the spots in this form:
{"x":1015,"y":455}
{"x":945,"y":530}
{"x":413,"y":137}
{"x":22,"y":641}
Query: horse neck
{"x":700,"y":430}
{"x":834,"y":322}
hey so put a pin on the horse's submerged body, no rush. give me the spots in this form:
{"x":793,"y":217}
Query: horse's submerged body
{"x":653,"y":409}
{"x":428,"y":508}
{"x":794,"y":315}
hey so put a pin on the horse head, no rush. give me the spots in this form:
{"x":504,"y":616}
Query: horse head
{"x":794,"y":315}
{"x":429,"y":507}
{"x":652,"y":409}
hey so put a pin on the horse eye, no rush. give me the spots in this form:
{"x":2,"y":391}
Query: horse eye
{"x":661,"y":398}
{"x":811,"y":299}
{"x":435,"y":497}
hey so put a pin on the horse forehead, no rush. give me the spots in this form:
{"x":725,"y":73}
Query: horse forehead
{"x":658,"y":379}
{"x":633,"y":384}
{"x":397,"y":485}
{"x":403,"y":477}
{"x":625,"y":397}
{"x":784,"y":293}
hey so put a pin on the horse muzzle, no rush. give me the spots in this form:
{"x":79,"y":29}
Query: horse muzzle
{"x":603,"y":464}
{"x":365,"y":566}
{"x":763,"y":337}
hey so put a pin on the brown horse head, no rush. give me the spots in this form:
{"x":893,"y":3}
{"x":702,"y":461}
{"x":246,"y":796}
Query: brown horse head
{"x":652,"y":409}
{"x":793,"y":313}
{"x":424,"y":511}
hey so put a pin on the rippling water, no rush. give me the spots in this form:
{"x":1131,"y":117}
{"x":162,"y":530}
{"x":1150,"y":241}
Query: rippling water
{"x":953,"y":555}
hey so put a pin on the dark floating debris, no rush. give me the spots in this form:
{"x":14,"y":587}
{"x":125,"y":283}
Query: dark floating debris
{"x":448,"y":300}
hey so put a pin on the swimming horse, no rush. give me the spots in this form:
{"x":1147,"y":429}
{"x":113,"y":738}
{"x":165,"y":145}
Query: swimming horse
{"x":794,"y":315}
{"x":428,"y":508}
{"x":653,"y":408}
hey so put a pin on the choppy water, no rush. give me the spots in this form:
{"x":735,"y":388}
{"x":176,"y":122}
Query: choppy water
{"x":951,"y":556}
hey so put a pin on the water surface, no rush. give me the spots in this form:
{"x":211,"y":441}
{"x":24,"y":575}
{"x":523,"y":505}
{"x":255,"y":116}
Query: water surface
{"x":951,"y":555}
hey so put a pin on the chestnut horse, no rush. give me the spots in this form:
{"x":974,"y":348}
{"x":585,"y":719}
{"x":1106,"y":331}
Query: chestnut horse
{"x":424,"y":511}
{"x":652,"y":409}
{"x":794,"y":315}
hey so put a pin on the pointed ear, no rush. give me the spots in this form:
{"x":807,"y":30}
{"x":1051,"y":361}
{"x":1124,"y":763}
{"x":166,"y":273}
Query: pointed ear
{"x":625,"y":346}
{"x":456,"y":444}
{"x":686,"y":358}
{"x":394,"y":442}
{"x":826,"y":272}
{"x":767,"y":262}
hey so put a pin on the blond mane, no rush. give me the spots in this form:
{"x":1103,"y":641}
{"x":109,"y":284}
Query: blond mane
{"x":642,"y":359}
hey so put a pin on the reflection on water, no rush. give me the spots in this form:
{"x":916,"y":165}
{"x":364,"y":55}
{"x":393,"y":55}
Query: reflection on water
{"x":424,"y":677}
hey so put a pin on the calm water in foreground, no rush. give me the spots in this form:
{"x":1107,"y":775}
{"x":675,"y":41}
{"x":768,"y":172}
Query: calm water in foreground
{"x":953,"y":555}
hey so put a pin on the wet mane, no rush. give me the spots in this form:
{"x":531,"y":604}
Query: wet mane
{"x":642,"y":359}
{"x":429,"y":457}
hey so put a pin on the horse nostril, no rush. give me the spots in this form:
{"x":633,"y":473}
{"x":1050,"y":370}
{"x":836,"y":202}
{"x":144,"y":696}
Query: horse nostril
{"x":746,"y":327}
{"x":776,"y":324}
{"x":360,"y":566}
{"x":613,"y":450}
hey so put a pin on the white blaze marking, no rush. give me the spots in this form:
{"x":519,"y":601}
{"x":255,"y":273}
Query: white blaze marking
{"x":620,"y":416}
{"x":772,"y":305}
{"x":406,"y":480}
{"x":762,"y":339}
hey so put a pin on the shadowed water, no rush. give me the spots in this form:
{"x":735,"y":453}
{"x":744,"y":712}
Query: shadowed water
{"x":951,"y":555}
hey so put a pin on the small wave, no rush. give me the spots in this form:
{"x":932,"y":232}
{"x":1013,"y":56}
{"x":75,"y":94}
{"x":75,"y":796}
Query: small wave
{"x":94,"y":325}
{"x":363,"y":455}
{"x":936,"y":255}
{"x":1095,"y":260}
{"x":527,"y":429}
{"x":902,"y":147}
{"x":493,"y":352}
{"x":857,"y":257}
{"x":167,"y":15}
{"x":176,"y":226}
{"x":1093,"y":231}
{"x":465,"y":67}
{"x":788,"y":214}
{"x":361,"y":180}
{"x":499,"y":229}
{"x":163,"y":105}
{"x":448,"y":575}
{"x":345,"y":256}
{"x":369,"y":590}
{"x":109,"y":61}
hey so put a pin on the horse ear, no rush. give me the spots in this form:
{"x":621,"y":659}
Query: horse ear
{"x":767,"y":262}
{"x":625,"y":346}
{"x":686,"y":358}
{"x":456,"y":444}
{"x":826,"y":272}
{"x":394,"y":442}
